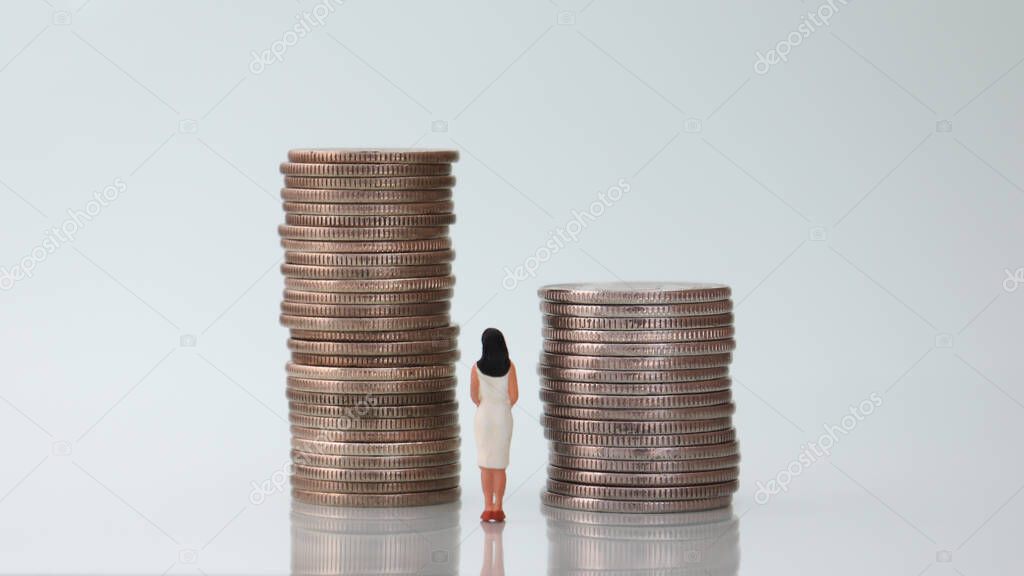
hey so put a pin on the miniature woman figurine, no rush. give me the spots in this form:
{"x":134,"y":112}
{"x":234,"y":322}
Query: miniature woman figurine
{"x":494,"y":390}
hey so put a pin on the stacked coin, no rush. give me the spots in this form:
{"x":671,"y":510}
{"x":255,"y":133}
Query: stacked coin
{"x":368,"y":286}
{"x":637,"y":396}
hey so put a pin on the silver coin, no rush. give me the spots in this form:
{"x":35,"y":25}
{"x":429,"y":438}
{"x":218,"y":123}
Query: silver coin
{"x":389,"y":475}
{"x":637,"y":310}
{"x":370,"y":374}
{"x":633,"y":507}
{"x":707,"y":524}
{"x":645,"y":402}
{"x":643,"y":493}
{"x":393,"y":183}
{"x":372,"y":348}
{"x":631,"y":376}
{"x":375,"y":361}
{"x":641,"y":440}
{"x":365,"y":310}
{"x":638,"y":363}
{"x":374,"y":449}
{"x":432,"y":257}
{"x":343,"y":234}
{"x":639,"y":336}
{"x":377,"y":336}
{"x":663,"y":479}
{"x":650,"y":453}
{"x":374,"y":286}
{"x":365,"y":324}
{"x":373,"y":155}
{"x":365,"y":197}
{"x":632,"y":324}
{"x":356,"y":423}
{"x":375,"y":436}
{"x":640,"y":349}
{"x":369,"y":209}
{"x":371,"y":411}
{"x":649,"y":414}
{"x":367,"y":247}
{"x":404,"y":487}
{"x":637,"y":388}
{"x":368,"y":298}
{"x":333,"y":386}
{"x":364,"y":272}
{"x":374,"y":462}
{"x":633,"y":427}
{"x":353,"y":170}
{"x":397,"y":221}
{"x":635,"y":293}
{"x":377,"y":500}
{"x":643,"y":466}
{"x":370,"y":400}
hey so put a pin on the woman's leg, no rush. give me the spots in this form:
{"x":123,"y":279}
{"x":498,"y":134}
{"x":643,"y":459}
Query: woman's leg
{"x":487,"y":483}
{"x":499,"y":488}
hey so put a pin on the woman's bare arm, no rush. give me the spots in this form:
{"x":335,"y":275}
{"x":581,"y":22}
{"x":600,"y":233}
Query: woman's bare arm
{"x":474,"y":386}
{"x":513,"y":384}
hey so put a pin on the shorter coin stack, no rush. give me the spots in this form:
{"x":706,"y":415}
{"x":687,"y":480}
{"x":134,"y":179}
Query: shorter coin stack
{"x":368,"y":286}
{"x":637,"y":396}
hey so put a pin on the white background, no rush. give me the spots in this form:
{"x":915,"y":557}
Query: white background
{"x":867,"y":241}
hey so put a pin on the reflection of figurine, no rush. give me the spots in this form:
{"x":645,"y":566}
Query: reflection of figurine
{"x":494,"y":554}
{"x":494,"y":390}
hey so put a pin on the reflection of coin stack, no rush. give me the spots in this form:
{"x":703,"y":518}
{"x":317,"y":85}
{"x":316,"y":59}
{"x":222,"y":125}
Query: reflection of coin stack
{"x":330,"y":540}
{"x":637,"y":400}
{"x":698,"y":543}
{"x":368,"y":285}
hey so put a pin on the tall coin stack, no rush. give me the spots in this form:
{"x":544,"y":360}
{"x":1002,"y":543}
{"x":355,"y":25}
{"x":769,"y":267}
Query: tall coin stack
{"x":368,"y":286}
{"x":637,"y":396}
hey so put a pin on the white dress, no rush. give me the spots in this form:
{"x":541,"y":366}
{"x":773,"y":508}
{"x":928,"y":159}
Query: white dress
{"x":492,"y":425}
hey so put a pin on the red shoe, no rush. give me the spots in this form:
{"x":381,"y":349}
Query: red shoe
{"x":486,"y":516}
{"x":498,"y":516}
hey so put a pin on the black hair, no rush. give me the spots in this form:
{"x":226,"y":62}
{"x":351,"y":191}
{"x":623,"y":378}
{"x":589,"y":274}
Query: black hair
{"x":494,"y":357}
